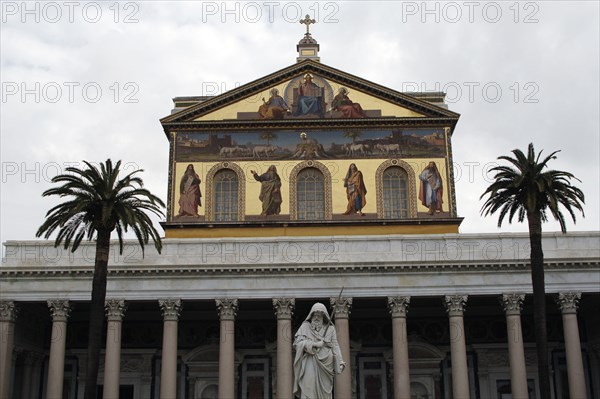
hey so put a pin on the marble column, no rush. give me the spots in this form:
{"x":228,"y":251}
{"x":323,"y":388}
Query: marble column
{"x":398,"y":306}
{"x":341,"y":311}
{"x":437,"y":385}
{"x":568,"y":301}
{"x":8,"y":314}
{"x":284,"y":309}
{"x":29,"y":361}
{"x":115,"y":309}
{"x":594,"y":352}
{"x":227,"y":308}
{"x":512,"y":304}
{"x":60,"y":310}
{"x":168,"y":368}
{"x":455,"y":306}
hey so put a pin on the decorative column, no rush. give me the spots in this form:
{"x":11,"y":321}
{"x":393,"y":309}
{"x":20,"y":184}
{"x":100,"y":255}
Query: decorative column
{"x":284,"y":308}
{"x":168,"y":367}
{"x":594,"y":351}
{"x":29,"y":361}
{"x":398,"y":307}
{"x":568,"y":301}
{"x":513,"y":303}
{"x":8,"y":314}
{"x":341,"y":312}
{"x":437,"y":383}
{"x":227,"y":308}
{"x":60,"y":310}
{"x":455,"y":306}
{"x":115,"y":309}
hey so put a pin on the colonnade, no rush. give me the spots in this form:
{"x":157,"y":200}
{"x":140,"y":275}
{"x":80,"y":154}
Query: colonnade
{"x":284,"y":309}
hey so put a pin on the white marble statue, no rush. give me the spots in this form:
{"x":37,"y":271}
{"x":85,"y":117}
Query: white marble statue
{"x":318,"y":356}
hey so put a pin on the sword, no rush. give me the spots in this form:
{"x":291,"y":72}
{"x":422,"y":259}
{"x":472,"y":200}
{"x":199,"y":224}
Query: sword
{"x":338,"y":300}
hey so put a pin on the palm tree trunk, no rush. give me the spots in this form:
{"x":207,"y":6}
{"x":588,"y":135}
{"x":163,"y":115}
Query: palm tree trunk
{"x":96,"y":326}
{"x":539,"y":302}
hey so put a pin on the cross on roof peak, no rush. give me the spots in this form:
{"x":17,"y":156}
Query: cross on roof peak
{"x":307,"y":47}
{"x":307,"y":21}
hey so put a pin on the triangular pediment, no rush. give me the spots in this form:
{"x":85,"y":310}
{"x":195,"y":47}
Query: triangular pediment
{"x":364,"y":100}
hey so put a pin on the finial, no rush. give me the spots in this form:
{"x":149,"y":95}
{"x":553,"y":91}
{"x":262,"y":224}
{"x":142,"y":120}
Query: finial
{"x":307,"y":47}
{"x":307,"y":21}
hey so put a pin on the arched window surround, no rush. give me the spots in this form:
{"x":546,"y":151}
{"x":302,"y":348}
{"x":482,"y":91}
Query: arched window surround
{"x":412,"y":195}
{"x":294,"y":183}
{"x":210,"y":189}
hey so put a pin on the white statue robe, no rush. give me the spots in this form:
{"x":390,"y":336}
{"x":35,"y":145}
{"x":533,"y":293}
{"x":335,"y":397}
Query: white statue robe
{"x":314,"y":368}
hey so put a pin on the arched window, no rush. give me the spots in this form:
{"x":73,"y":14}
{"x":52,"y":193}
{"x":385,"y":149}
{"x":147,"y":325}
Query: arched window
{"x":225,"y":193}
{"x":310,"y":194}
{"x":225,"y":200}
{"x":395,"y":193}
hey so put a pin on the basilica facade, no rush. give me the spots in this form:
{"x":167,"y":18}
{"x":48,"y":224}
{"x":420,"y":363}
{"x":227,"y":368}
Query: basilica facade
{"x":306,"y":185}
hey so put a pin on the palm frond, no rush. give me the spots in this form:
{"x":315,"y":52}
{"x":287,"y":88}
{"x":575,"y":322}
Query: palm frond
{"x":525,"y":187}
{"x":99,"y":200}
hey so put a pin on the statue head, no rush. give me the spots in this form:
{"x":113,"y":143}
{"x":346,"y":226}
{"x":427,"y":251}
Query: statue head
{"x":319,"y":308}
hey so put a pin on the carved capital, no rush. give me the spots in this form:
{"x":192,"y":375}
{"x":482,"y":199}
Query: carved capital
{"x":60,"y":309}
{"x":284,"y":307}
{"x":512,"y":303}
{"x":341,"y":307}
{"x":227,"y":308}
{"x":8,"y":311}
{"x":455,"y":304}
{"x":171,"y":308}
{"x":398,"y":305}
{"x":115,"y":309}
{"x":17,"y":353}
{"x":568,"y":301}
{"x":30,"y":358}
{"x":595,"y":348}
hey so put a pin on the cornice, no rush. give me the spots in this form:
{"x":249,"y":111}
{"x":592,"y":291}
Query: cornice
{"x":116,"y":272}
{"x":363,"y":123}
{"x":313,"y":223}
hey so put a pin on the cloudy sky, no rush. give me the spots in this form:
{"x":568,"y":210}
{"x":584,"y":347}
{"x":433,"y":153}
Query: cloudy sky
{"x":90,"y":80}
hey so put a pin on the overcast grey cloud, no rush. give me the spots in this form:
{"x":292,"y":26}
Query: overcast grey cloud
{"x":90,"y":80}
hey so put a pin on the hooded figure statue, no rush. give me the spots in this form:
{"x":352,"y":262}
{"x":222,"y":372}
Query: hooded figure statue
{"x":318,"y":356}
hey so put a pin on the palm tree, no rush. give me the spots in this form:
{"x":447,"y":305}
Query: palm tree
{"x":268,"y":136}
{"x":526,"y":190}
{"x":97,"y":204}
{"x":352,"y":134}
